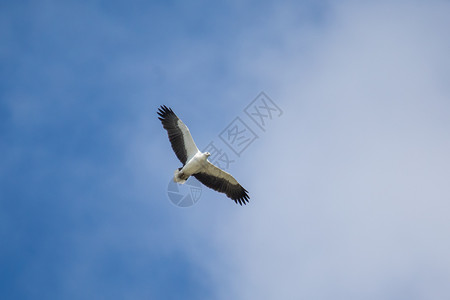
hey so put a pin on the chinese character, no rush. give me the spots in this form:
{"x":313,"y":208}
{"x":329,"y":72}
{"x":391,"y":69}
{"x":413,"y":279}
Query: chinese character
{"x":217,"y":157}
{"x":262,"y":109}
{"x":238,"y":136}
{"x":213,"y":150}
{"x":224,"y":161}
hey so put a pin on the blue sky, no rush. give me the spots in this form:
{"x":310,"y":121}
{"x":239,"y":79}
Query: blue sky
{"x":349,"y":188}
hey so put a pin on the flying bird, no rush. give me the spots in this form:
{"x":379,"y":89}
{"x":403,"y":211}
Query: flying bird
{"x":195,"y":163}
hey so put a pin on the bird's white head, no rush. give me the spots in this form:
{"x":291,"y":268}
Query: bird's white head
{"x":207,"y":154}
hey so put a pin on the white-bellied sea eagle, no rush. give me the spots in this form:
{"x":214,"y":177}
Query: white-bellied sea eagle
{"x":195,"y":163}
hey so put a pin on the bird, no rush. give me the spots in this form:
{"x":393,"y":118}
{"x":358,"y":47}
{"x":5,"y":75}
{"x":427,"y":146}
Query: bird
{"x":195,"y":163}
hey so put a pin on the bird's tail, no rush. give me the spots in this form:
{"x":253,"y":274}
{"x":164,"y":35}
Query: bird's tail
{"x":177,"y":177}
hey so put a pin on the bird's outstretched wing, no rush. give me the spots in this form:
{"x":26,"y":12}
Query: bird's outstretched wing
{"x":223,"y":182}
{"x":182,"y":143}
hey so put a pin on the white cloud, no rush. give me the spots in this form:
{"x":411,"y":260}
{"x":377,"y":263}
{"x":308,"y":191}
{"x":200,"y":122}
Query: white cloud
{"x":354,"y":204}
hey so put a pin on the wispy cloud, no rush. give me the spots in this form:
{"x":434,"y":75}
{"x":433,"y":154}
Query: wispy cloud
{"x":351,"y":203}
{"x":349,"y":191}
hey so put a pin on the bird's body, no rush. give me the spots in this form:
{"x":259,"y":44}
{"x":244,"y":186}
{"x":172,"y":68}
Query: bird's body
{"x":195,"y":162}
{"x":194,"y":165}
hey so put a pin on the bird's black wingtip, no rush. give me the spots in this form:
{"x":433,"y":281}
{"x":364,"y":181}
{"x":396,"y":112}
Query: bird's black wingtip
{"x":164,"y":111}
{"x":244,"y":199}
